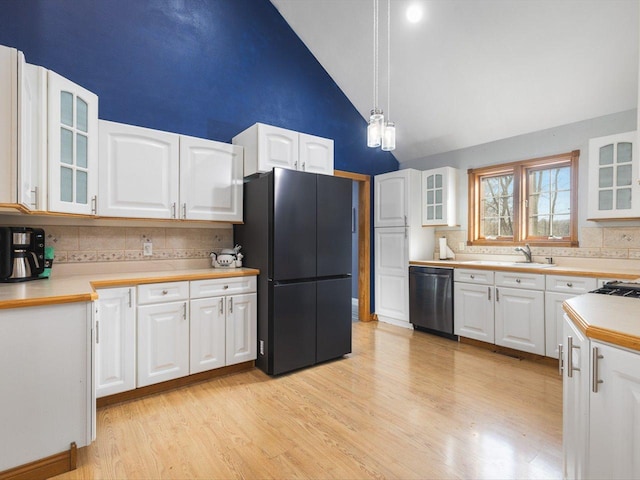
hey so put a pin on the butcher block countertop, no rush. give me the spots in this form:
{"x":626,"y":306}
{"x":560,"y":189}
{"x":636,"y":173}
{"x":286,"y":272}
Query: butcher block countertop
{"x":82,"y":288}
{"x":600,"y":272}
{"x":614,"y":320}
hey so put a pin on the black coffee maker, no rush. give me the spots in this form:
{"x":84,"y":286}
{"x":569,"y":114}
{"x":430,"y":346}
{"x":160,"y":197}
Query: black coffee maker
{"x":21,"y":253}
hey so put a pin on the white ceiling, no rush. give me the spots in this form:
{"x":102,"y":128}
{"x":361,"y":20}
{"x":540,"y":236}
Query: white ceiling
{"x":475,"y":71}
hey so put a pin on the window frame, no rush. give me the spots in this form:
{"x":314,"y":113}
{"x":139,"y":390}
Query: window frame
{"x":520,"y":170}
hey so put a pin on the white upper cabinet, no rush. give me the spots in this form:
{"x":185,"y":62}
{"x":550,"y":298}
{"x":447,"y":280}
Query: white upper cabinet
{"x":23,"y":131}
{"x":210,"y":180}
{"x":614,"y":179}
{"x":439,"y":196}
{"x":73,"y":147}
{"x":266,"y":147}
{"x":138,"y":172}
{"x":316,"y":154}
{"x":32,"y":135}
{"x":8,"y":124}
{"x":184,"y":177}
{"x":391,"y":199}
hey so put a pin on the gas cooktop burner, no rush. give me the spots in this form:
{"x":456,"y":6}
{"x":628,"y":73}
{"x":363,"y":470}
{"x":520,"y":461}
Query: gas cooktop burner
{"x":620,"y":289}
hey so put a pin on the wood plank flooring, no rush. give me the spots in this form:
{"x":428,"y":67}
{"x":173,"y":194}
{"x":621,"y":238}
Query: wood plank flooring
{"x":404,"y":404}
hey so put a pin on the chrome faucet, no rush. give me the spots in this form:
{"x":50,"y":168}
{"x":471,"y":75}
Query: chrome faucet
{"x":526,"y":251}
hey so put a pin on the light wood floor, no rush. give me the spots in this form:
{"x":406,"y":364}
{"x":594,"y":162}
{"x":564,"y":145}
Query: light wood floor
{"x":404,"y":404}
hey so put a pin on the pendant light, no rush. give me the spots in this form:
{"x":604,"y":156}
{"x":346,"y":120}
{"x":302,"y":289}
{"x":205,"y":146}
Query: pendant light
{"x":380,"y":133}
{"x":376,"y":120}
{"x":389,"y":131}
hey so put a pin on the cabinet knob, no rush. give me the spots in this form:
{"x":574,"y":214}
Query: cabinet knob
{"x":164,"y":292}
{"x":517,"y":280}
{"x":472,"y":276}
{"x":225,"y":287}
{"x":569,"y":284}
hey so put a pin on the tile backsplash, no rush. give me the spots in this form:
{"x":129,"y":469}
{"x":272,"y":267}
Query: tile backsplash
{"x":74,"y":244}
{"x":595,"y":242}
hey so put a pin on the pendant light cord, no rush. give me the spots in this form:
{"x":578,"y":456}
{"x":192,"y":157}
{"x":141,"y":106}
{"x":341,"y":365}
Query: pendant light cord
{"x":388,"y":59}
{"x":375,"y":52}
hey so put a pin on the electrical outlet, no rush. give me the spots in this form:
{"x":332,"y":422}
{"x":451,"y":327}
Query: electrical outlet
{"x":147,"y":249}
{"x":461,"y":246}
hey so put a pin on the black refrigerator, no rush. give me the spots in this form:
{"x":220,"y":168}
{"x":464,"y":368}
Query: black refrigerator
{"x":297,"y":231}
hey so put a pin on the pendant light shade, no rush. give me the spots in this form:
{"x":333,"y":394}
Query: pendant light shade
{"x":375,"y":128}
{"x":389,"y":137}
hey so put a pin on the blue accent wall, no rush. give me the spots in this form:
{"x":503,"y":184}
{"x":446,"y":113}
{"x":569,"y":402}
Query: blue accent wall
{"x":206,"y":68}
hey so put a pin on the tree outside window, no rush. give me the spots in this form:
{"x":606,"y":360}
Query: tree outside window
{"x":533,"y":201}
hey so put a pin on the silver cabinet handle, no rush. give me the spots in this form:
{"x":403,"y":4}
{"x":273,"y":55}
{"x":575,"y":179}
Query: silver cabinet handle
{"x":560,"y":360}
{"x":497,"y":295}
{"x":489,"y":293}
{"x":472,"y":277}
{"x":304,"y":166}
{"x":184,"y":210}
{"x":295,"y":165}
{"x":164,"y":292}
{"x":517,"y":280}
{"x":594,"y":372}
{"x":184,"y":311}
{"x":97,"y":332}
{"x":230,"y":304}
{"x":94,"y":204}
{"x":221,"y":306}
{"x":35,"y":197}
{"x":570,"y":347}
{"x":405,"y":221}
{"x":130,"y":298}
{"x":173,"y":210}
{"x":569,"y":284}
{"x":225,"y":287}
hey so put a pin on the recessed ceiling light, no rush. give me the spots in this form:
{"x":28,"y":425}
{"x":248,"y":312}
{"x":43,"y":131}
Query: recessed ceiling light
{"x":414,"y":13}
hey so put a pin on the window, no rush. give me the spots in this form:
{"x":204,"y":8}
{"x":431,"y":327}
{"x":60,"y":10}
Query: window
{"x":532,"y":201}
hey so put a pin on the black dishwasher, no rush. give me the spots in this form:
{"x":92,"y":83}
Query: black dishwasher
{"x":431,"y":300}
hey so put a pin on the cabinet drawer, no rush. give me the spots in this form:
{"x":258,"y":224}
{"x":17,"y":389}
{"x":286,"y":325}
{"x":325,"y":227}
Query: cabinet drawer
{"x":162,"y":292}
{"x":564,"y":284}
{"x":532,"y":281}
{"x":222,"y":286}
{"x":481,"y":277}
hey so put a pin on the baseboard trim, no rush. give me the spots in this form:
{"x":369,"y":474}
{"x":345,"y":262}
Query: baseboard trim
{"x":172,"y":384}
{"x":44,"y":468}
{"x":511,"y":352}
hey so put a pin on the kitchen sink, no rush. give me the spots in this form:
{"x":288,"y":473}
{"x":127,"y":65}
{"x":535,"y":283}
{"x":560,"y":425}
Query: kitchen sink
{"x":492,"y":263}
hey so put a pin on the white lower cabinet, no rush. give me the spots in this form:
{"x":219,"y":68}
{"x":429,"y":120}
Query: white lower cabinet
{"x":519,"y":319}
{"x":115,"y":341}
{"x":473,"y":311}
{"x":207,"y":336}
{"x":601,"y":408}
{"x":47,"y":397}
{"x":224,"y":330}
{"x":163,"y":342}
{"x":614,"y":413}
{"x":558,"y":289}
{"x":575,"y":400}
{"x":163,"y":331}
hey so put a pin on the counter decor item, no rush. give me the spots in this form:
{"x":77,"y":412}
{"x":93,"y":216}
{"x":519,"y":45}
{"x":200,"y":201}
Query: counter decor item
{"x":227,"y":258}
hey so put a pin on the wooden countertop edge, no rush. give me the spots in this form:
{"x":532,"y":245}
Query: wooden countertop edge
{"x":544,"y":270}
{"x":598,"y":333}
{"x":122,"y":282}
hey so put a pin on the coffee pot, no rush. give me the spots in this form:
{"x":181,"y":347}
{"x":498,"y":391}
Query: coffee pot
{"x":21,"y":253}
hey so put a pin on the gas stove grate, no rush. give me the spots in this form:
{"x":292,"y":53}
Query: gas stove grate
{"x":620,"y":289}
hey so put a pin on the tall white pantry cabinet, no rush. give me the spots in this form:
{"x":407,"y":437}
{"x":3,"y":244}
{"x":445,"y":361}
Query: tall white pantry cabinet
{"x":399,"y":237}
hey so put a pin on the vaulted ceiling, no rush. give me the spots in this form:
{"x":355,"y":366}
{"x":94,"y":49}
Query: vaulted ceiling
{"x":475,"y":71}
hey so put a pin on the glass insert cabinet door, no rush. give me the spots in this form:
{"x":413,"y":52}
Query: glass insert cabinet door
{"x":438,"y":196}
{"x":73,"y":146}
{"x":613,"y":177}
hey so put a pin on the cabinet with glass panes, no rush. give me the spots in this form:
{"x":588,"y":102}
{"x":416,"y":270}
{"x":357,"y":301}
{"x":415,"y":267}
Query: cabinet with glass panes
{"x":614,"y":180}
{"x":439,"y":196}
